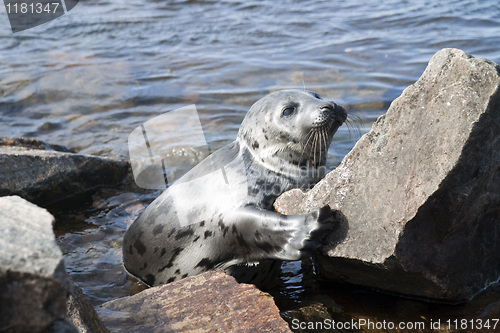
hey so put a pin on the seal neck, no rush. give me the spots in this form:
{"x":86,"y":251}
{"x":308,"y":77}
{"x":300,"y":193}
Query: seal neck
{"x":271,"y":159}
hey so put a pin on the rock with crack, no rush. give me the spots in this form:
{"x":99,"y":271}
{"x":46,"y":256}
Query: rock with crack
{"x":418,"y":197}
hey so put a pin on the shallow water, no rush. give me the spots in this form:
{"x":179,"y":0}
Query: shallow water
{"x":88,"y":78}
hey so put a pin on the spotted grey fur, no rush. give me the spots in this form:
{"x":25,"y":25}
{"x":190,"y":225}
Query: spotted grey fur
{"x":220,"y":214}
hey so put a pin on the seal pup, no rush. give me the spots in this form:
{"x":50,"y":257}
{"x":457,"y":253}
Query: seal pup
{"x":220,"y":213}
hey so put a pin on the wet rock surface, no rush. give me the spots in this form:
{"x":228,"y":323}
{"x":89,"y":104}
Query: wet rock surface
{"x":210,"y":302}
{"x":43,"y":173}
{"x":418,"y":197}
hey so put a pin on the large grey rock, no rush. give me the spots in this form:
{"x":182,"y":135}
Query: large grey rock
{"x":43,"y":173}
{"x":32,"y":276}
{"x":418,"y":197}
{"x":210,"y":302}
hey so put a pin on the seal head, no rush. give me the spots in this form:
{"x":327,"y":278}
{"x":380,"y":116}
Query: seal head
{"x":289,"y":131}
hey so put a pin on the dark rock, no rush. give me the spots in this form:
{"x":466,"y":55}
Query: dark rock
{"x":32,"y":144}
{"x":212,"y":301}
{"x":310,"y":318}
{"x":319,"y":316}
{"x":61,"y":326}
{"x":32,"y":275}
{"x":419,"y":195}
{"x":81,"y":313}
{"x":44,"y":173}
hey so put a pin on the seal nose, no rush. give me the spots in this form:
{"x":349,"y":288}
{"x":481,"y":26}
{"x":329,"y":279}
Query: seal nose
{"x":327,"y":108}
{"x":329,"y":112}
{"x":325,"y":114}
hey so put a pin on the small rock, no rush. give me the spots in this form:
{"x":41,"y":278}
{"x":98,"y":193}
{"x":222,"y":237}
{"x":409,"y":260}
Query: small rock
{"x":321,"y":315}
{"x":81,"y":313}
{"x":61,"y":326}
{"x":210,"y":302}
{"x":32,"y":274}
{"x":419,"y":195}
{"x":311,"y":318}
{"x":29,"y":143}
{"x":43,"y":173}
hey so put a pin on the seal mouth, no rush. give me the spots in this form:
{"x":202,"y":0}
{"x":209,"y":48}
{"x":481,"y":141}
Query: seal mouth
{"x":317,"y":143}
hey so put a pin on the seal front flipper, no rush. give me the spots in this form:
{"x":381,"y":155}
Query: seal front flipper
{"x":262,"y":234}
{"x":325,"y":220}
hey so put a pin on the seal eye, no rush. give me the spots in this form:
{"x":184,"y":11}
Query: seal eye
{"x":288,"y":111}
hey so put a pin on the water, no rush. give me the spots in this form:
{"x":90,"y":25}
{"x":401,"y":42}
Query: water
{"x":88,"y":78}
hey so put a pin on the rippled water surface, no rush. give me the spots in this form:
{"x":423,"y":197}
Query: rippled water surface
{"x":88,"y":78}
